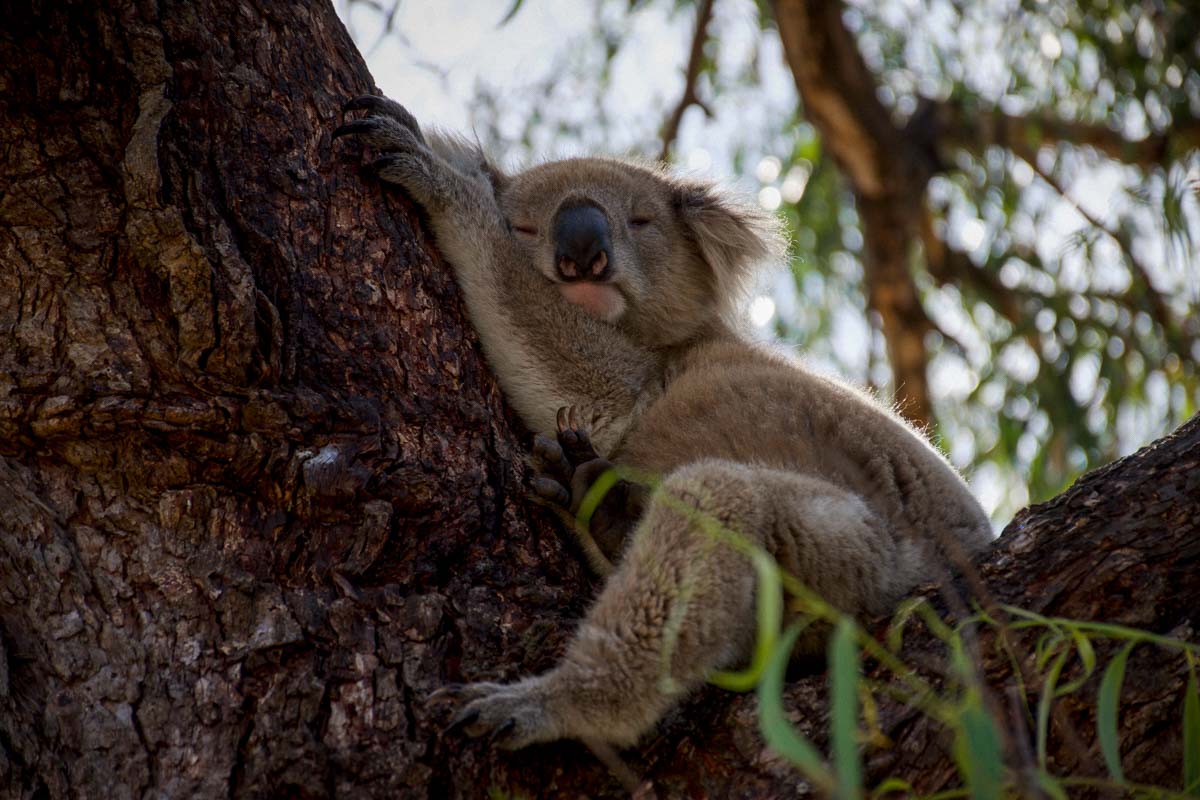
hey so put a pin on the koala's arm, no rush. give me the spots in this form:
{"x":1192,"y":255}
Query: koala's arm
{"x":546,"y":353}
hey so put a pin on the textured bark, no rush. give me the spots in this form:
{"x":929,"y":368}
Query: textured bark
{"x":257,"y":490}
{"x":259,"y":494}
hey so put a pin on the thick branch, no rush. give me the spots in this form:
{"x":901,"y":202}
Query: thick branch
{"x":887,"y":169}
{"x":840,"y":97}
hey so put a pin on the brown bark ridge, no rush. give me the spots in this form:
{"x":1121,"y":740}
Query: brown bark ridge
{"x":259,"y":494}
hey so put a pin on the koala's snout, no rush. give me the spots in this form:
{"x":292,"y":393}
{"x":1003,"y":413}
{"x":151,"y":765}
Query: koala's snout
{"x":582,"y":250}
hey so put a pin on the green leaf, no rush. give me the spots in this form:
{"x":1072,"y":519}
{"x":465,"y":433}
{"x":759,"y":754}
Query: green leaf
{"x":1191,"y":737}
{"x":895,"y":631}
{"x":1044,"y":704}
{"x":890,"y":785}
{"x":1087,"y":655}
{"x":512,"y":12}
{"x":843,"y":674}
{"x":776,"y":730}
{"x":770,"y":618}
{"x":1106,"y":712}
{"x":1050,"y":785}
{"x":978,"y":752}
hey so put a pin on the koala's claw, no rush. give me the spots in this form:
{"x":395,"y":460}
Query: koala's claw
{"x":367,"y":102}
{"x":384,"y":107}
{"x":510,"y":715}
{"x":552,"y":490}
{"x":354,"y":126}
{"x":502,"y":731}
{"x":574,"y":437}
{"x":551,"y":459}
{"x":451,"y":691}
{"x":462,"y":720}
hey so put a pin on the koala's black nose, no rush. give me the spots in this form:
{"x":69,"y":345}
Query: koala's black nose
{"x":582,"y":251}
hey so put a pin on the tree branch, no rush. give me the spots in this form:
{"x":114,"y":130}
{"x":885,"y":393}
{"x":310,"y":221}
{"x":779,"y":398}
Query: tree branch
{"x":974,"y":130}
{"x":950,"y":266}
{"x":670,"y":128}
{"x":887,"y":169}
{"x":1156,"y":305}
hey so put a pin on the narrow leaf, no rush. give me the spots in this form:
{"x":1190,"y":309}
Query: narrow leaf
{"x":1044,"y":704}
{"x":1050,"y":785}
{"x":1106,"y":712}
{"x":776,"y":730}
{"x":770,"y":618}
{"x":843,"y":674}
{"x":981,"y":753}
{"x":1087,"y":655}
{"x":895,"y":631}
{"x":512,"y":12}
{"x":1191,"y":738}
{"x":890,"y":786}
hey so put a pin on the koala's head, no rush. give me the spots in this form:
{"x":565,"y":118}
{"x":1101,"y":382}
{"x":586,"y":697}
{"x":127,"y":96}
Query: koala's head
{"x":659,"y":256}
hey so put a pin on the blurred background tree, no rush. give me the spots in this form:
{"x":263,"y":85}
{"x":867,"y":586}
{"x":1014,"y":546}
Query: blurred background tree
{"x":992,"y":205}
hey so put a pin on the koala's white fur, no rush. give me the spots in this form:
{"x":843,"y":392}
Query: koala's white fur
{"x":844,"y":494}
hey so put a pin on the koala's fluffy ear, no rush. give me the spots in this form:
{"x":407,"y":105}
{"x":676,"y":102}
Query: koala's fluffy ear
{"x":466,"y":157}
{"x":732,"y":236}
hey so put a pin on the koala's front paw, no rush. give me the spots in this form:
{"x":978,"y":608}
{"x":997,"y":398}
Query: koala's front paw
{"x":513,"y":715}
{"x":565,"y":470}
{"x":405,"y":159}
{"x":559,"y":464}
{"x":388,"y":125}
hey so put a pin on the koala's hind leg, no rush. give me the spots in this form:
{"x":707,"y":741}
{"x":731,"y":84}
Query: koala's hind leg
{"x":681,"y":603}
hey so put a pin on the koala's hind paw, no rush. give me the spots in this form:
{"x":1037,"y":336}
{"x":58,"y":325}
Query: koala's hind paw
{"x":512,"y":715}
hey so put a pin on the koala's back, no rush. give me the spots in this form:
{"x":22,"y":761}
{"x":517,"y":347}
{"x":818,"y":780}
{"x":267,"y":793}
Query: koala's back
{"x":736,"y":401}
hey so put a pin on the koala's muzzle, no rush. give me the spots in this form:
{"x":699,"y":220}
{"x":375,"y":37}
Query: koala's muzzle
{"x":582,"y":251}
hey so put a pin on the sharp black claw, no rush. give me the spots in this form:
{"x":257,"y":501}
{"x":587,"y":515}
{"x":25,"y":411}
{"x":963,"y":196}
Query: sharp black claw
{"x":447,"y":692}
{"x":381,"y":162}
{"x":547,"y":448}
{"x":462,"y":719}
{"x":354,"y":126}
{"x":363,"y":101}
{"x":502,"y":730}
{"x":551,"y":490}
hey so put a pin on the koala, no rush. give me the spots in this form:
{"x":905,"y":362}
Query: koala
{"x":607,"y":297}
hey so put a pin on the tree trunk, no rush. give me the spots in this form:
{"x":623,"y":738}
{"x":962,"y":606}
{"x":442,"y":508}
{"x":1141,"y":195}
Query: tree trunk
{"x":259,"y":494}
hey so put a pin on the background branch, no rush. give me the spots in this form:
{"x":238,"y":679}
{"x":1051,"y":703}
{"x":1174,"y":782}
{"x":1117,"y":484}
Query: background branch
{"x":974,"y":130}
{"x":670,"y":128}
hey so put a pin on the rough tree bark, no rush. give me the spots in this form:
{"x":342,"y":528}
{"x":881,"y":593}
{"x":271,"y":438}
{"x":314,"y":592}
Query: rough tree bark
{"x":259,"y":494}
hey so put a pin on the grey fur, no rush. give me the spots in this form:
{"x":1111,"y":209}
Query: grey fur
{"x":842,"y":492}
